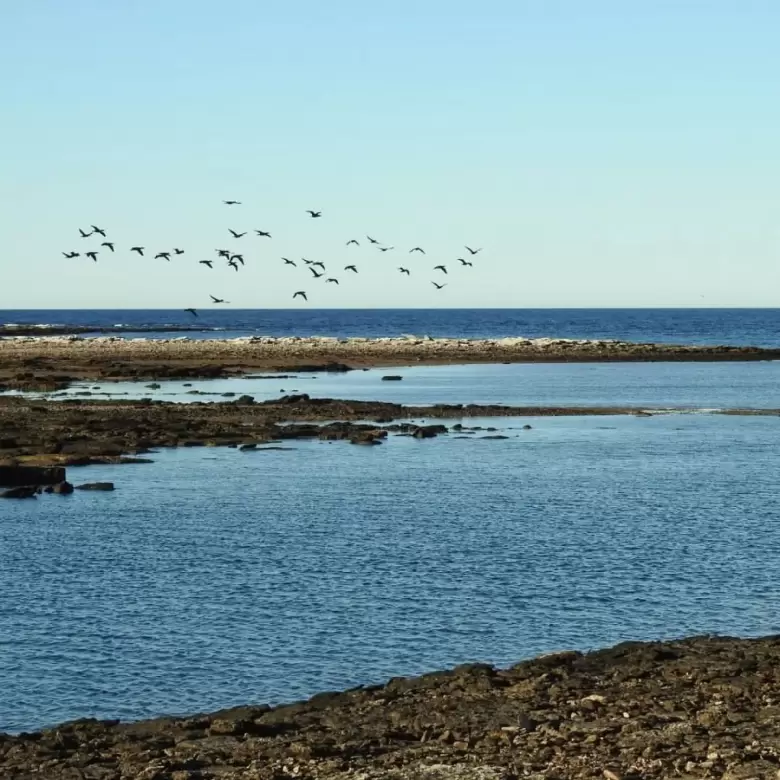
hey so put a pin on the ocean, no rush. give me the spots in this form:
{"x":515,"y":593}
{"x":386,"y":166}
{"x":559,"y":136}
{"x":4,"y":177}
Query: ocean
{"x":213,"y":577}
{"x":759,"y":327}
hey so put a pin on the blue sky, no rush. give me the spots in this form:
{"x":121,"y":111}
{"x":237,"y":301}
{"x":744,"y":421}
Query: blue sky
{"x":603,"y":153}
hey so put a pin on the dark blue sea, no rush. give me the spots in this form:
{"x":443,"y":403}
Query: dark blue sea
{"x":214,"y":577}
{"x":759,"y":327}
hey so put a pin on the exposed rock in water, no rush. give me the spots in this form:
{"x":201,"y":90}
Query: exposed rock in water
{"x":105,"y":486}
{"x":696,"y":708}
{"x":23,"y":491}
{"x":62,"y":488}
{"x":14,"y":476}
{"x":428,"y":431}
{"x":392,"y":378}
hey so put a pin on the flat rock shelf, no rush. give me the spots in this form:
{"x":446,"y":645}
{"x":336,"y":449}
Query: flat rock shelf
{"x":693,"y":708}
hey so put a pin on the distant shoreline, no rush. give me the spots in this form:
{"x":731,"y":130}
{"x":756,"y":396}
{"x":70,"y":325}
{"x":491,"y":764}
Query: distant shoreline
{"x":53,"y":362}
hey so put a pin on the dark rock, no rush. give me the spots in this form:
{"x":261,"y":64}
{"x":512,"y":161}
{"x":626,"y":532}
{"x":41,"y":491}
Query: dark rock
{"x":292,"y":399}
{"x":245,"y":447}
{"x":368,"y":441}
{"x":153,"y":386}
{"x":96,"y":486}
{"x":244,"y":400}
{"x":526,"y":427}
{"x":15,"y":476}
{"x":228,"y":395}
{"x":23,"y":491}
{"x":392,"y":378}
{"x":428,"y":431}
{"x":62,"y":488}
{"x":494,"y":436}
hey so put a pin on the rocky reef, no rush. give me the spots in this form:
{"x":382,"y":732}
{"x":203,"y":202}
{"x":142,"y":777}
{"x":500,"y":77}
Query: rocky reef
{"x":702,"y":707}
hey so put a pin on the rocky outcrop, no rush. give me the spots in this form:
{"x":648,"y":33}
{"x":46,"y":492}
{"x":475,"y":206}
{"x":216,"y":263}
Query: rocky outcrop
{"x":23,"y":491}
{"x":15,"y":475}
{"x":696,"y":708}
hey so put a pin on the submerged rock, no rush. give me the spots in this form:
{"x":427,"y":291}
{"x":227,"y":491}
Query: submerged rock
{"x":23,"y":491}
{"x":104,"y":486}
{"x":392,"y":378}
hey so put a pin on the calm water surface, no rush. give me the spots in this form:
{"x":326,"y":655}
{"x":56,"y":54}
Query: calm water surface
{"x":216,"y":577}
{"x":693,"y":385}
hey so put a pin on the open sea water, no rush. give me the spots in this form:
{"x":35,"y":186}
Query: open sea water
{"x":215,"y":577}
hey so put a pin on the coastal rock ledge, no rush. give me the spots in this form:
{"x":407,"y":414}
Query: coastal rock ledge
{"x":693,"y":708}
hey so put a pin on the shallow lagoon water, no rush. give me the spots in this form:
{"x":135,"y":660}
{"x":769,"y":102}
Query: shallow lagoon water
{"x":692,"y":385}
{"x":216,"y":577}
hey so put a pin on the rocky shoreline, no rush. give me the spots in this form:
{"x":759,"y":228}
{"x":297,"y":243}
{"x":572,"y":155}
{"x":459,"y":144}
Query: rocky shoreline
{"x":701,"y":707}
{"x":52,"y":362}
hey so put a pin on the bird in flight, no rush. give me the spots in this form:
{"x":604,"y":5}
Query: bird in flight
{"x":352,"y":241}
{"x":240,"y":258}
{"x":438,"y":286}
{"x":207,"y":262}
{"x":372,"y":240}
{"x":96,"y":229}
{"x":417,"y":249}
{"x":178,"y":251}
{"x":71,"y":255}
{"x":320,"y":264}
{"x":263,"y":233}
{"x":192,"y":312}
{"x":108,"y":244}
{"x":138,"y":249}
{"x":386,"y":248}
{"x":302,"y":295}
{"x":465,"y":262}
{"x":473,"y":251}
{"x":166,"y":255}
{"x":93,"y":255}
{"x":335,"y":281}
{"x":217,"y":300}
{"x":440,"y":268}
{"x":403,"y":270}
{"x":287,"y":261}
{"x":232,"y":202}
{"x":223,"y":253}
{"x":350,"y":268}
{"x":308,"y":262}
{"x":233,"y":263}
{"x":236,"y":235}
{"x":83,"y":234}
{"x":314,"y":214}
{"x":316,"y":275}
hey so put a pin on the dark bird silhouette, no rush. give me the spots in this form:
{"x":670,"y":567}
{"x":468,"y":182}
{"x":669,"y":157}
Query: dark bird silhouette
{"x":440,"y":268}
{"x":240,"y":258}
{"x":403,"y":270}
{"x":335,"y":281}
{"x":289,"y":262}
{"x":386,"y":248}
{"x":207,"y":262}
{"x":232,"y":202}
{"x":178,"y":251}
{"x":473,"y":251}
{"x":465,"y":262}
{"x":438,"y":286}
{"x":108,"y":244}
{"x":83,"y":234}
{"x":233,"y":264}
{"x":217,"y":300}
{"x":372,"y":240}
{"x":192,"y":312}
{"x":417,"y":249}
{"x":223,"y":253}
{"x":316,"y":275}
{"x":302,"y":295}
{"x":308,"y":262}
{"x":138,"y":249}
{"x":320,"y":264}
{"x":350,"y":268}
{"x":93,"y":255}
{"x":96,"y":229}
{"x":352,"y":241}
{"x":166,"y":255}
{"x":236,"y":235}
{"x":263,"y":233}
{"x":314,"y":214}
{"x":71,"y":255}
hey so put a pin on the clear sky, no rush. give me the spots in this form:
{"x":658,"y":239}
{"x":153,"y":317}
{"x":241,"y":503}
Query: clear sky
{"x":603,"y":152}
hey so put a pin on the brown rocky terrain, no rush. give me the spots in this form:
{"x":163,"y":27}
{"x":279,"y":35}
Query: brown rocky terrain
{"x":78,"y":432}
{"x":696,"y":708}
{"x":49,"y":363}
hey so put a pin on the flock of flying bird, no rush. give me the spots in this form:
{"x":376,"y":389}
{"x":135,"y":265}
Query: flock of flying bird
{"x":233,"y":259}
